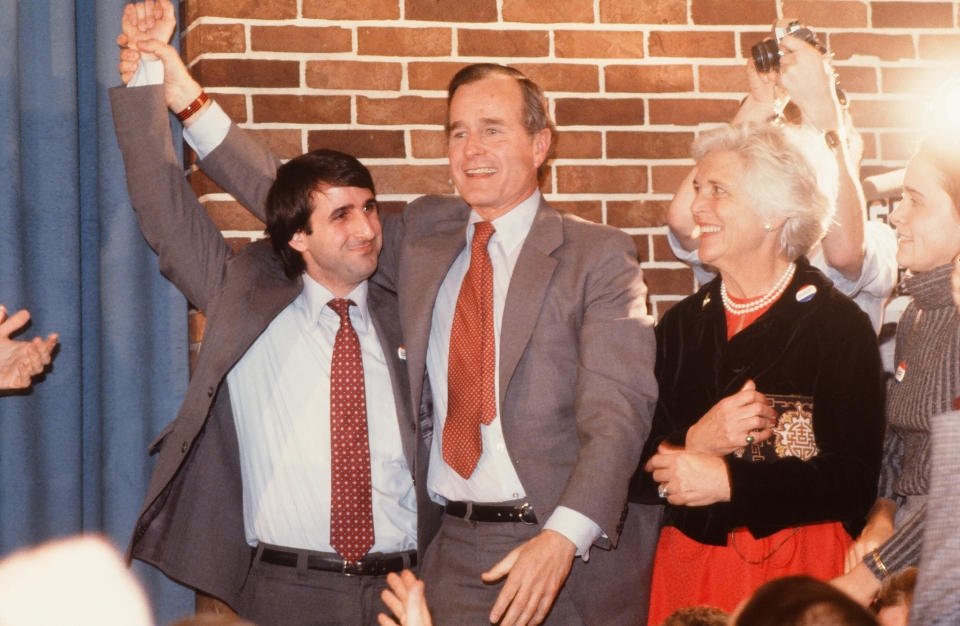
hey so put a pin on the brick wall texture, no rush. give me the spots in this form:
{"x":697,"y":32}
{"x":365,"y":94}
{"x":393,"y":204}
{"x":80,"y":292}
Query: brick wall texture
{"x":630,"y":83}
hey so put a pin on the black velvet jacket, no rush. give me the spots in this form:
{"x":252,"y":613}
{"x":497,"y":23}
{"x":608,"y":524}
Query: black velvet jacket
{"x":824,"y":348}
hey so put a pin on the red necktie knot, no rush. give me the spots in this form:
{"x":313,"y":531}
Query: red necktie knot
{"x":341,"y":307}
{"x":482,"y":231}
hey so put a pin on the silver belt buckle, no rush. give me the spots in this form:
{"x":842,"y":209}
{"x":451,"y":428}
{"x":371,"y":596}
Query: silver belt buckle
{"x":527,"y":516}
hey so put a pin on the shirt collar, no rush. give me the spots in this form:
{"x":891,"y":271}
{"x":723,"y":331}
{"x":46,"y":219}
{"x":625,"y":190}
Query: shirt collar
{"x":511,"y":227}
{"x":316,"y":297}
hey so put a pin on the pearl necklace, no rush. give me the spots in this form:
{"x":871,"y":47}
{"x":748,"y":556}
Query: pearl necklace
{"x":755,"y":305}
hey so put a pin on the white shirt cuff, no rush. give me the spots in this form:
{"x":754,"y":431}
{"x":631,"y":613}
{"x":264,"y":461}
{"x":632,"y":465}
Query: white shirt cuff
{"x":148,"y":73}
{"x":208,"y":131}
{"x":576,"y":527}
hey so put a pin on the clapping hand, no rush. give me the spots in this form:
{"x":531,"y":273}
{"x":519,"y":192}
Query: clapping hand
{"x":20,"y":361}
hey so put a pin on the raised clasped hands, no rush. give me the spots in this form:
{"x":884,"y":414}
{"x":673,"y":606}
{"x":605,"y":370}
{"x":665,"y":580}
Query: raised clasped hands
{"x":147,"y":26}
{"x":142,"y":21}
{"x":20,"y":361}
{"x":728,"y":423}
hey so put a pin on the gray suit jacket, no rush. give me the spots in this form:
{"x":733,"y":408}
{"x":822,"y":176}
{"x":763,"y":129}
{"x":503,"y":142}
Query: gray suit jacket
{"x":191,"y":524}
{"x":576,"y":364}
{"x":936,"y":599}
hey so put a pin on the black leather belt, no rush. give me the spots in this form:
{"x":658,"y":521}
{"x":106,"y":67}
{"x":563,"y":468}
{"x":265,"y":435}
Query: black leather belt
{"x":367,"y":566}
{"x":522,"y":513}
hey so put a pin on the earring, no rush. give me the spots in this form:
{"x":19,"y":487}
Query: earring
{"x":767,"y":226}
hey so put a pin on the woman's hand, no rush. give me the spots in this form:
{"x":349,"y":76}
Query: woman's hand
{"x":879,"y":528}
{"x":689,"y":478}
{"x":859,"y":583}
{"x":729,"y":423}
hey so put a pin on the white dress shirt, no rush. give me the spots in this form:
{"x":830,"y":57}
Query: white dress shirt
{"x":280,"y":395}
{"x":494,"y":479}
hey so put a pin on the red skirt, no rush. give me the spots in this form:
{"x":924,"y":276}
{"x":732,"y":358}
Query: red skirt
{"x":689,"y":573}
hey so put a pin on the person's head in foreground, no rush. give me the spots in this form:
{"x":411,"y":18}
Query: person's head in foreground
{"x":801,"y":601}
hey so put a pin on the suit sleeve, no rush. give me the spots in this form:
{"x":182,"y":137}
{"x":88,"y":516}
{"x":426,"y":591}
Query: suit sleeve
{"x":191,"y":250}
{"x":937,"y":596}
{"x":615,"y":388}
{"x":243,"y":167}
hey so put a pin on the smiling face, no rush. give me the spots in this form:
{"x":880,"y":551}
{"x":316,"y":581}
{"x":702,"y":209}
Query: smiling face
{"x":344,"y":241}
{"x":731,"y":234}
{"x":927,"y":222}
{"x":493,"y":159}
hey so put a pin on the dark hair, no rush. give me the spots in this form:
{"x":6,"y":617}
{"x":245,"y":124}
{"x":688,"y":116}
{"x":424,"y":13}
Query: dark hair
{"x":290,"y":199}
{"x":802,"y":601}
{"x":535,"y":115}
{"x":942,"y":151}
{"x":697,"y":616}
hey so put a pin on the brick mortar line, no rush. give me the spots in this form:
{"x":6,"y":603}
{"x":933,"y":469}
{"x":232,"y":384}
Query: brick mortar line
{"x":615,"y":27}
{"x":551,"y":95}
{"x":856,"y":60}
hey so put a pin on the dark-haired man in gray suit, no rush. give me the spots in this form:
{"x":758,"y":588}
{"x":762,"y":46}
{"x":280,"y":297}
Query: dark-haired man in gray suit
{"x":284,"y":488}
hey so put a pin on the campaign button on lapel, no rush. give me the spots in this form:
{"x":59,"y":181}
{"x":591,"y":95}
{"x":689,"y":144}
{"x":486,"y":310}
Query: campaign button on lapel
{"x":806,"y":293}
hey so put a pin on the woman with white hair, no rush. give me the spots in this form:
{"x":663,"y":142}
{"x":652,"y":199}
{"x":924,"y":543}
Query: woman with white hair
{"x":766,"y":440}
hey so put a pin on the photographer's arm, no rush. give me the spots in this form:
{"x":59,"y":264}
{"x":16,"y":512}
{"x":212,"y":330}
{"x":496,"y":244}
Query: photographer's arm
{"x":807,"y":77}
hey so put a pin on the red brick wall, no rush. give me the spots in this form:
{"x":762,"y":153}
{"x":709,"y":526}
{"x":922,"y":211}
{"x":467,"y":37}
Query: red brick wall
{"x":629,"y":82}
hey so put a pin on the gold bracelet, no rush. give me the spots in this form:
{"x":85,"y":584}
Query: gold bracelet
{"x":876,"y":559}
{"x":193,"y":107}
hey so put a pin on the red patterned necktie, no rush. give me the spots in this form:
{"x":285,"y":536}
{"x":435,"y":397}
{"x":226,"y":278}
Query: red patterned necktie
{"x":351,"y":509}
{"x":472,"y":362}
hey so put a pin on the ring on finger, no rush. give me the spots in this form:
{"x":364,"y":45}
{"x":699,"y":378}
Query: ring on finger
{"x":662,"y":490}
{"x":750,"y":439}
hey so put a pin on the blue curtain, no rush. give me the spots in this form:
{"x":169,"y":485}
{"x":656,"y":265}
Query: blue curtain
{"x":73,"y":450}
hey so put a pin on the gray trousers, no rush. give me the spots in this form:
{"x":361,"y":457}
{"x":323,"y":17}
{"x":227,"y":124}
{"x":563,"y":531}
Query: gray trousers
{"x":612,"y":589}
{"x":456,"y":557}
{"x":296,"y":596}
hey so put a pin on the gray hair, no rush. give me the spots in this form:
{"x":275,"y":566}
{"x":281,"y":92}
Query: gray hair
{"x":789,"y":174}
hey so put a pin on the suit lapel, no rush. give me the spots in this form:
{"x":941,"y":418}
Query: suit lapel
{"x":248,"y":306}
{"x":388,"y":331}
{"x":528,"y":288}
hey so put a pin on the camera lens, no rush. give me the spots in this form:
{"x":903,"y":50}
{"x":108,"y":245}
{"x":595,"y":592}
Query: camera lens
{"x":766,"y":55}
